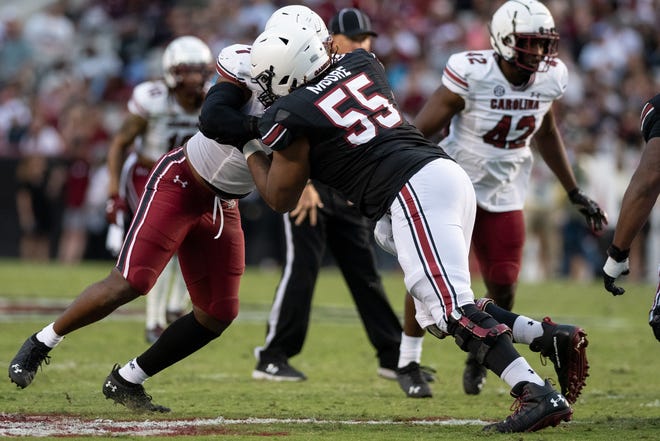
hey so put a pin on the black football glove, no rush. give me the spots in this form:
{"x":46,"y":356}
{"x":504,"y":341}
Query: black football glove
{"x":596,"y":218}
{"x":617,"y":264}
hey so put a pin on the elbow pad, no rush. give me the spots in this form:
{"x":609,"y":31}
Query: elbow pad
{"x":221,"y":118}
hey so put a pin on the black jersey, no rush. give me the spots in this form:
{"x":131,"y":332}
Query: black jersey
{"x":650,"y":119}
{"x":360,"y":143}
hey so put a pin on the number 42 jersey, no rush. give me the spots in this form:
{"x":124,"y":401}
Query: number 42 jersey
{"x":490,"y":138}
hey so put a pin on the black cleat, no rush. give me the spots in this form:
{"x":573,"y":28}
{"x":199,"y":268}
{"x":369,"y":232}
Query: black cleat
{"x":566,"y":347}
{"x":277,"y":371}
{"x":654,"y":322}
{"x":413,"y":380}
{"x":152,"y":334}
{"x":133,"y":396}
{"x":535,"y":408}
{"x":27,"y":361}
{"x":474,"y":376}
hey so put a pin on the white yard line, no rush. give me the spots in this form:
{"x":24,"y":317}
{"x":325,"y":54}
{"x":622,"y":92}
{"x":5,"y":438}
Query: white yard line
{"x":14,"y":425}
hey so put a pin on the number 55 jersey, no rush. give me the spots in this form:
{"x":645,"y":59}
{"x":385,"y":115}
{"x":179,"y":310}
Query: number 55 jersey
{"x":490,"y":137}
{"x":360,"y":144}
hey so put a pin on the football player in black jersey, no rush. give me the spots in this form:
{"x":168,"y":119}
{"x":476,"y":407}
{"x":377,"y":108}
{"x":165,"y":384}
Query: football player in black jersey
{"x":638,"y":201}
{"x":336,"y":121}
{"x":324,"y":220}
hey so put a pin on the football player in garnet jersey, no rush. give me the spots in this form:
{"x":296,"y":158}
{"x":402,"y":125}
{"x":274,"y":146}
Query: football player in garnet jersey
{"x":336,"y":121}
{"x":495,"y":103}
{"x":162,"y":115}
{"x":638,"y":201}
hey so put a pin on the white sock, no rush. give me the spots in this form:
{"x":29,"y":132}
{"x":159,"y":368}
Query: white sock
{"x":410,"y":350}
{"x":526,"y":329}
{"x":519,"y":370}
{"x":133,"y":373}
{"x":48,"y":336}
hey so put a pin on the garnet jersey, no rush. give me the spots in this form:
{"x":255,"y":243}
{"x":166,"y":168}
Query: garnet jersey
{"x":360,"y":143}
{"x":490,"y":137}
{"x":169,"y":125}
{"x":650,"y":119}
{"x":224,"y":166}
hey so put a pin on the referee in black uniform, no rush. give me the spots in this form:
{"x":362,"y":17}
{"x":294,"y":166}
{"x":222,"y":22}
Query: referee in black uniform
{"x":323,"y":219}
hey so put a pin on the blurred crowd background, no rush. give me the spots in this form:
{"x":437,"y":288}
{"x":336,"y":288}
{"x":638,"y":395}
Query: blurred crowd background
{"x":67,"y":69}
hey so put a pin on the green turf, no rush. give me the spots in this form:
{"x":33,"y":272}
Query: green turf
{"x":620,"y":401}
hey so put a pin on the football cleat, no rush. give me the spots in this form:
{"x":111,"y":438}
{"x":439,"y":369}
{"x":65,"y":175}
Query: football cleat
{"x":565,"y":346}
{"x":474,"y":376}
{"x":133,"y":396}
{"x":654,"y":322}
{"x":535,"y":408}
{"x":152,"y":334}
{"x":428,"y":373}
{"x":413,"y":380}
{"x":27,"y":361}
{"x":277,"y":371}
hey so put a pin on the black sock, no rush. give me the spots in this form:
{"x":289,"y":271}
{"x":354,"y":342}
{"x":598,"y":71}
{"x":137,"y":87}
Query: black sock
{"x":183,"y":337}
{"x":501,"y":314}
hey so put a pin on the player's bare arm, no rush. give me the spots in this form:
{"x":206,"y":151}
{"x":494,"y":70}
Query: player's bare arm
{"x":640,"y":196}
{"x":132,"y":127}
{"x":438,"y":111}
{"x":281,"y":180}
{"x":551,"y":147}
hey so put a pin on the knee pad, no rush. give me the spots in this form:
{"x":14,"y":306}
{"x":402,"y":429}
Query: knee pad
{"x":477,"y":332}
{"x":503,"y":273}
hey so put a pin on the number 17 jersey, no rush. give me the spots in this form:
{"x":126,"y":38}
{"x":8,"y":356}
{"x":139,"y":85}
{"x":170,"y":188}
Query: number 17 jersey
{"x":490,"y":138}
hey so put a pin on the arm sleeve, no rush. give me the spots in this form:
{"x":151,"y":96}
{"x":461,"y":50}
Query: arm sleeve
{"x":222,"y":119}
{"x":650,"y":119}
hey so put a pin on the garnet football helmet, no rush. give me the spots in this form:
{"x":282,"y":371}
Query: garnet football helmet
{"x":187,"y":51}
{"x":518,"y":28}
{"x":285,"y":58}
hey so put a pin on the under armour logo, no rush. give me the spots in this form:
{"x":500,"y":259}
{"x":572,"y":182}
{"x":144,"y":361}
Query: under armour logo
{"x":535,"y":94}
{"x":414,"y":390}
{"x":111,"y":386}
{"x":555,"y":401}
{"x":272,"y":369}
{"x":17,"y":368}
{"x":131,"y":364}
{"x":179,"y":181}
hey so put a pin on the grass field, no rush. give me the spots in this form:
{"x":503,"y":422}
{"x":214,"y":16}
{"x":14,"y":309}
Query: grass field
{"x":343,"y":398}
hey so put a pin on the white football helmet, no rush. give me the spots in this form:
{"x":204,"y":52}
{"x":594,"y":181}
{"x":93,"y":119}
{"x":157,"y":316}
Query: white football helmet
{"x":301,"y":15}
{"x":184,"y":51}
{"x":285,"y":58}
{"x":517,"y":26}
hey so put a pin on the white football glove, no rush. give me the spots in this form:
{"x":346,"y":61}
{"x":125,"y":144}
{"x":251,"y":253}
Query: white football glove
{"x":115,"y":237}
{"x":383,"y":234}
{"x":611,"y":271}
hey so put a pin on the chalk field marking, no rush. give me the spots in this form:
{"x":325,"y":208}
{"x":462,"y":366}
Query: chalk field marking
{"x":14,"y":425}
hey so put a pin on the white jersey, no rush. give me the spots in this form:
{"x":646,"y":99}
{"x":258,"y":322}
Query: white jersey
{"x":490,"y":138}
{"x":224,"y":166}
{"x":169,"y":125}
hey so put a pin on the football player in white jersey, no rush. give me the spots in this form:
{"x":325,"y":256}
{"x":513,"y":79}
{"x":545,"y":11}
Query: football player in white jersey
{"x":495,"y":102}
{"x":189,"y":207}
{"x":162,"y":115}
